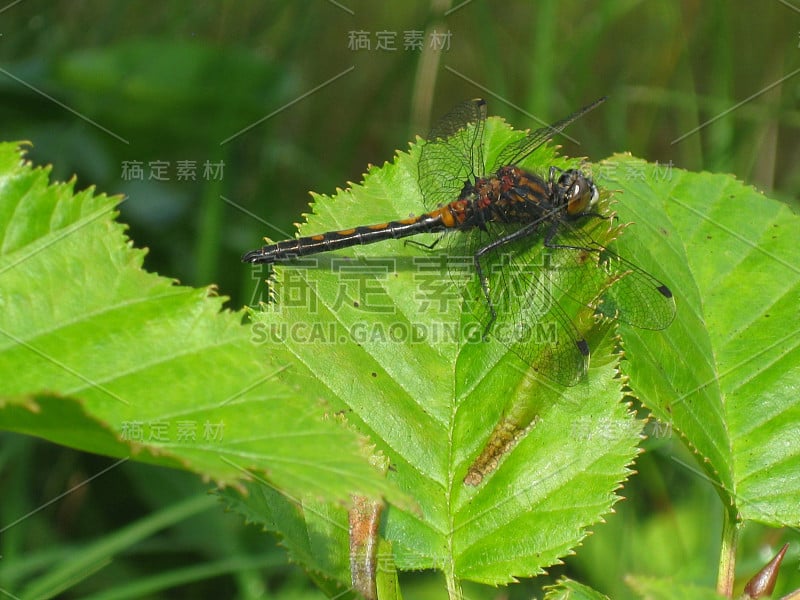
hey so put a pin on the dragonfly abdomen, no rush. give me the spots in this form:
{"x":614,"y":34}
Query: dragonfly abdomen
{"x":344,"y":238}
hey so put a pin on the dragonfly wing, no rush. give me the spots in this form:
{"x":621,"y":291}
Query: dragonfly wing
{"x":529,"y":318}
{"x":614,"y":286}
{"x":636,"y":297}
{"x":453,"y":153}
{"x":518,"y":150}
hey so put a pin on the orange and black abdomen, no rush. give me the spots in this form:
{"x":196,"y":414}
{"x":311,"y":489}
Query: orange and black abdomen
{"x":437,"y":220}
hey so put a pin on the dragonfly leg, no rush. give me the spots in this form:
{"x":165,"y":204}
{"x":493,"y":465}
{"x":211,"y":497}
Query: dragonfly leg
{"x":551,"y":233}
{"x":485,"y":289}
{"x":426,"y":246}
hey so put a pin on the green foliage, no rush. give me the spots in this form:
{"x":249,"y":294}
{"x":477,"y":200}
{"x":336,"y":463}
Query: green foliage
{"x":492,"y":474}
{"x":432,"y":405}
{"x":728,"y":367}
{"x":100,"y":355}
{"x":572,"y":590}
{"x":435,"y":406}
{"x":175,"y":83}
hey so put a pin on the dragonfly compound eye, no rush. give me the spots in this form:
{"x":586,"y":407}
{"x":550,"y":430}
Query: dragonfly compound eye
{"x":578,"y":191}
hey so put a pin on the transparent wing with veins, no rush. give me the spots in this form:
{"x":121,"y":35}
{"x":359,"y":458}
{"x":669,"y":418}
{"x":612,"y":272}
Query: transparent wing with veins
{"x":453,"y":153}
{"x":516,"y":151}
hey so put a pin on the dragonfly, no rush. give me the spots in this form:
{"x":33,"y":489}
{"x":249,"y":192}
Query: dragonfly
{"x":495,"y":217}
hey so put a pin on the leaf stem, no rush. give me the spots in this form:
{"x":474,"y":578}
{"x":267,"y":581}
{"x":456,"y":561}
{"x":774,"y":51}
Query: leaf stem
{"x":727,"y":558}
{"x":453,"y":586}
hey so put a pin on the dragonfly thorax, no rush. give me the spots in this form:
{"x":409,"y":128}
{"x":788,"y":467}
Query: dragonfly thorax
{"x":511,"y":195}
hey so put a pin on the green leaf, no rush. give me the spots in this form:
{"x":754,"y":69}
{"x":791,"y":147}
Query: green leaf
{"x":567,"y":589}
{"x":508,"y":471}
{"x":727,"y":372}
{"x":315,"y":534}
{"x":432,"y":402}
{"x":97,"y":354}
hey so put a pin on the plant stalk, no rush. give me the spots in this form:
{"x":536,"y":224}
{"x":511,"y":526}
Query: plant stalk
{"x":727,"y":558}
{"x":453,"y":586}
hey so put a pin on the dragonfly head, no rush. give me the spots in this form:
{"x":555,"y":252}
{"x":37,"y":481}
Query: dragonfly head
{"x":577,"y":192}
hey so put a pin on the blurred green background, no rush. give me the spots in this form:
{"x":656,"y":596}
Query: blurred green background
{"x":275,"y":92}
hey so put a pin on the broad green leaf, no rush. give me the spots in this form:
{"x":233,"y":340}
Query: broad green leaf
{"x":97,"y":354}
{"x":431,"y":401}
{"x":728,"y":376}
